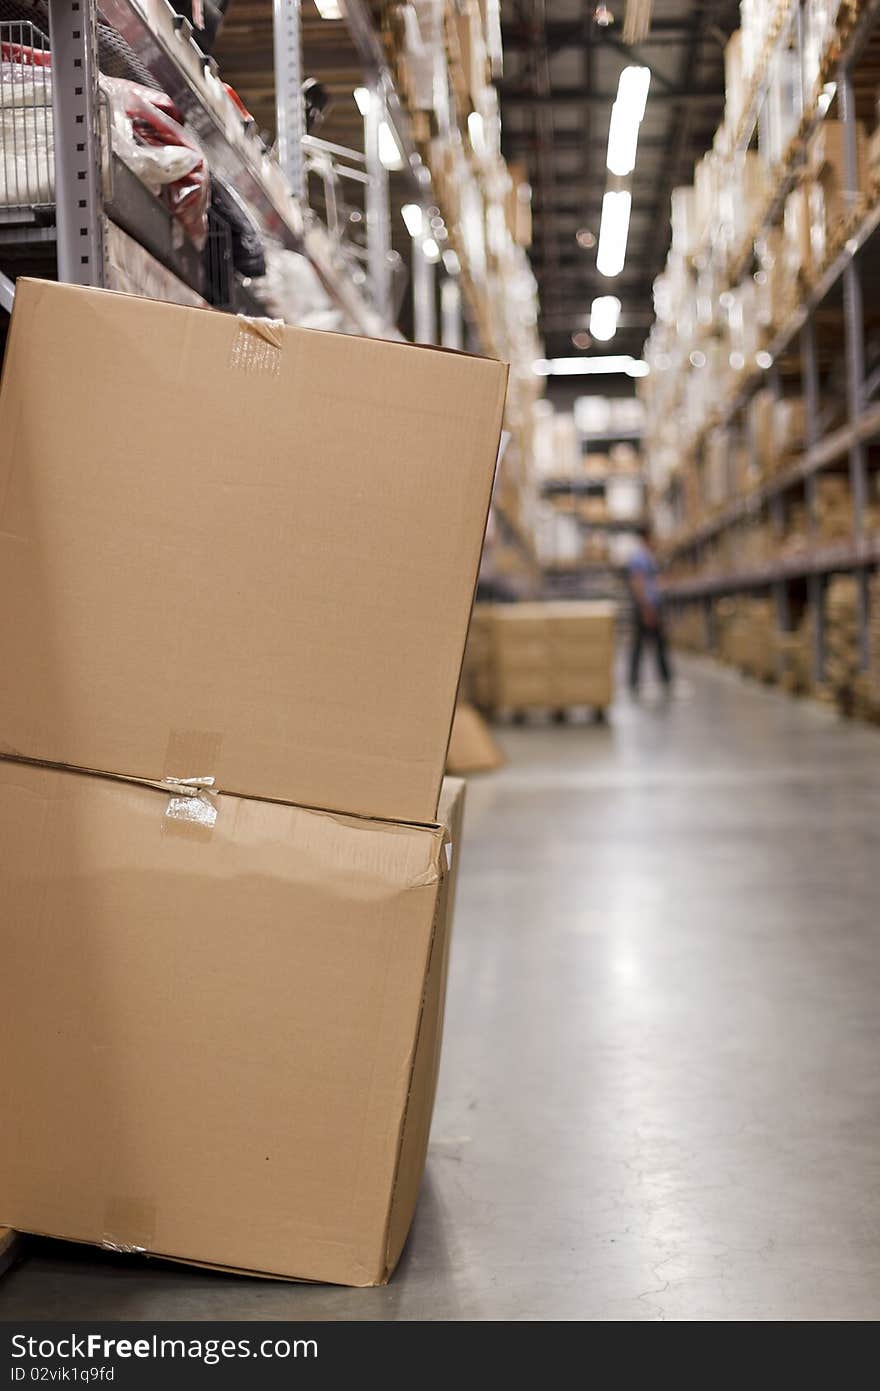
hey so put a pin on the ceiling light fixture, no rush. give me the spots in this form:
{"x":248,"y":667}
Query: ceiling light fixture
{"x":362,"y":98}
{"x":430,"y":249}
{"x":585,"y":239}
{"x":613,"y":231}
{"x":627,"y":114}
{"x":329,"y":9}
{"x":413,"y":218}
{"x":603,"y":16}
{"x":389,"y":150}
{"x":604,"y":314}
{"x":590,"y":366}
{"x":581,"y":340}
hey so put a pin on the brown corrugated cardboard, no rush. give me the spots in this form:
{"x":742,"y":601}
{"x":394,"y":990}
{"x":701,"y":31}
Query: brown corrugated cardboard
{"x":221,"y":1049}
{"x":232,"y":555}
{"x":472,"y":748}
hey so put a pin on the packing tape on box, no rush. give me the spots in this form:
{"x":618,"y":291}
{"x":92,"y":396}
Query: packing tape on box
{"x":129,"y":1226}
{"x":256,"y":345}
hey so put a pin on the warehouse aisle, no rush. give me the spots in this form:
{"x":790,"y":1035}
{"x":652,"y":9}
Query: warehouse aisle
{"x":661,"y":1093}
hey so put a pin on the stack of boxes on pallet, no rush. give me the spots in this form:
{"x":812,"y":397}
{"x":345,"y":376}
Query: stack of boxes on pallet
{"x":842,"y":662}
{"x":548,"y":656}
{"x":231,"y":637}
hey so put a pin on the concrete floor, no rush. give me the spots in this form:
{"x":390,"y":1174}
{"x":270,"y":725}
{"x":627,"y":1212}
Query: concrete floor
{"x":661,"y":1088}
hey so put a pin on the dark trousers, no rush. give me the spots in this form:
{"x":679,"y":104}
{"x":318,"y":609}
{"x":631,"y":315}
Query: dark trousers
{"x":643,"y":634}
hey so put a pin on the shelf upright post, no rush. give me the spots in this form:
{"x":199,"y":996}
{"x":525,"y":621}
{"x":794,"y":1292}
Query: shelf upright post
{"x":777,"y":520}
{"x":76,"y":113}
{"x":377,"y":196}
{"x":815,"y":582}
{"x":424,"y":293}
{"x":451,"y":335}
{"x":289,"y":108}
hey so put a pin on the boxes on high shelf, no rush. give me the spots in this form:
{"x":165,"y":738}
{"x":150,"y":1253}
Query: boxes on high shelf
{"x":797,"y":248}
{"x":833,"y":508}
{"x":761,"y":415}
{"x":830,"y":197}
{"x":518,"y":204}
{"x":246,"y":994}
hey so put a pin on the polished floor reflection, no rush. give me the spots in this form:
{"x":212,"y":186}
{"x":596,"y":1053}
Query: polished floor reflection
{"x":661,"y":1085}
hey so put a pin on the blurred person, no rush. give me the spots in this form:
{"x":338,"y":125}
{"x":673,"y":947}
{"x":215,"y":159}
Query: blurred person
{"x":647,"y":616}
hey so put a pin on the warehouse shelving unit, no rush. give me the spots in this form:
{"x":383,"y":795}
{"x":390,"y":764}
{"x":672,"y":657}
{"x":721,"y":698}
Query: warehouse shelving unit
{"x":826,"y":329}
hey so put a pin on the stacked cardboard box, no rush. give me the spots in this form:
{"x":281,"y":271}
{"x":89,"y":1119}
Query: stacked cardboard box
{"x":758,"y":650}
{"x":476,"y":676}
{"x":552,"y":655}
{"x":874,"y":641}
{"x":831,"y":200}
{"x":231,"y":639}
{"x":834,"y":521}
{"x":795,"y":651}
{"x":842,"y":641}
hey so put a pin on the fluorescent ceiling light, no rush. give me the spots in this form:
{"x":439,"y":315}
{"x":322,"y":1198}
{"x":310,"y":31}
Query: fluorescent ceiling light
{"x":328,"y":9}
{"x":451,"y":263}
{"x":430,"y":249}
{"x":613,"y":231}
{"x":632,"y":90}
{"x":362,"y":99}
{"x":477,"y":133}
{"x":626,"y":117}
{"x":590,"y":366}
{"x":413,"y":218}
{"x":604,"y":313}
{"x":389,"y":150}
{"x":623,"y":140}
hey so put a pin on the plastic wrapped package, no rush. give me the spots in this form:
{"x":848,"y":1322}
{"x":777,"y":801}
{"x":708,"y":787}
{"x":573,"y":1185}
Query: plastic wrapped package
{"x":149,"y":137}
{"x":292,"y":290}
{"x":683,"y":216}
{"x":781,"y":110}
{"x":27,"y":148}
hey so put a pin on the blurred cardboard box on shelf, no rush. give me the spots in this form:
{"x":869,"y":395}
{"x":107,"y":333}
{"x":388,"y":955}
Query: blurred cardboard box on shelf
{"x":831,"y":200}
{"x":185,"y":592}
{"x":245,"y":1023}
{"x":518,"y":204}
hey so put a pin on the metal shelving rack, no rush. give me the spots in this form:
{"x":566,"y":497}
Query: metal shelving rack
{"x":844,"y":277}
{"x":271,"y":183}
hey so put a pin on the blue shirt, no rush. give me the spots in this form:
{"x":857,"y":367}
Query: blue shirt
{"x":643,"y":563}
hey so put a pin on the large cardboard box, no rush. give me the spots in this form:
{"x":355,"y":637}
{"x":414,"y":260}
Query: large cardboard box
{"x":237,"y":550}
{"x":221,"y":1045}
